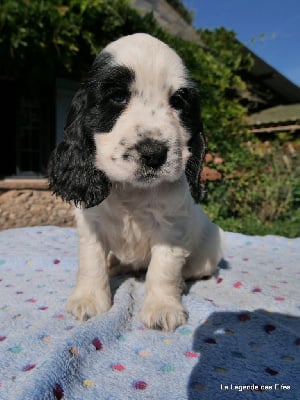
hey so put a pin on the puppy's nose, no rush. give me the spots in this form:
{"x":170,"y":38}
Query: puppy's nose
{"x":153,"y":153}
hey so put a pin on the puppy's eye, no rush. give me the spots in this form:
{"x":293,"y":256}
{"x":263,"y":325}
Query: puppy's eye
{"x":118,"y":97}
{"x":179,"y":100}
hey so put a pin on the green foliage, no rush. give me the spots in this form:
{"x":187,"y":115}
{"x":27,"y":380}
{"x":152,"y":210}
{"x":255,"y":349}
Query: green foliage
{"x":261,"y":198}
{"x":44,"y":37}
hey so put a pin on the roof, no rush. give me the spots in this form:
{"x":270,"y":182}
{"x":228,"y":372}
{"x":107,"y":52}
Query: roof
{"x":168,"y":18}
{"x":281,"y":114}
{"x":287,"y":90}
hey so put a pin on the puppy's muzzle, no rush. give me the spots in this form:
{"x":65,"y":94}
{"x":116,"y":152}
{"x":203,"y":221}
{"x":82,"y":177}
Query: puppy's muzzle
{"x":153,"y":153}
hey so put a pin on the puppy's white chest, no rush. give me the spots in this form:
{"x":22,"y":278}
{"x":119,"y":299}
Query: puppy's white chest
{"x":131,"y":239}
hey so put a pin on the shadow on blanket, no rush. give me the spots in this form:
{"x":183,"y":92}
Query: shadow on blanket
{"x":246,"y":352}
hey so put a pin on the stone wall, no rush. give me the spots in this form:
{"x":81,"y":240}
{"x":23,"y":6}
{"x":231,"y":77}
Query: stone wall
{"x":28,"y":207}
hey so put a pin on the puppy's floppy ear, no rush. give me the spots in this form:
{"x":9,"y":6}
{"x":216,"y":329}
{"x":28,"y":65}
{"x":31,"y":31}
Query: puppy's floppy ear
{"x":72,"y":172}
{"x":191,"y":118}
{"x":197,"y":147}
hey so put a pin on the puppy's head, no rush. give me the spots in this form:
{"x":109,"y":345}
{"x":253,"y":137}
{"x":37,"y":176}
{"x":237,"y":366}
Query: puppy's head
{"x":136,"y":119}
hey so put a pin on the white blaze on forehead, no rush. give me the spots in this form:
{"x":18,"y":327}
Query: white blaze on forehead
{"x":154,"y":63}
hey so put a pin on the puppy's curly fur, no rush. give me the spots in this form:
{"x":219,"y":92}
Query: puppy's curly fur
{"x":130,"y":161}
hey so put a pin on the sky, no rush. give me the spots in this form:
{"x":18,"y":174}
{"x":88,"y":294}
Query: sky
{"x":270,"y":28}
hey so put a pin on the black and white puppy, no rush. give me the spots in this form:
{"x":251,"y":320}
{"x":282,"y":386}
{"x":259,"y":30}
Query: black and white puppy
{"x":130,"y":161}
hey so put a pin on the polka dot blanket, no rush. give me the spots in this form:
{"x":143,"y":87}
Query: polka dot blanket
{"x":241,"y":341}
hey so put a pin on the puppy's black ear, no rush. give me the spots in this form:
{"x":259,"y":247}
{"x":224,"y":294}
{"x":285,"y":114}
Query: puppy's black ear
{"x":187,"y":101}
{"x":197,"y":147}
{"x":72,"y":172}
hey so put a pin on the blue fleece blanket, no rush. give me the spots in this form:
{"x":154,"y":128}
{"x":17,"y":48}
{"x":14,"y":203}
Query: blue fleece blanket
{"x":242,"y":339}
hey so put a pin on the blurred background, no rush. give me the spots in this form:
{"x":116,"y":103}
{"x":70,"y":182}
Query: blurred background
{"x":244,"y":57}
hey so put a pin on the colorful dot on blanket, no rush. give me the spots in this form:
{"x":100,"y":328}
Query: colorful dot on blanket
{"x":2,"y":262}
{"x":198,"y":386}
{"x":29,"y":367}
{"x":97,"y":344}
{"x":256,"y":290}
{"x":237,"y":284}
{"x":143,"y":353}
{"x":185,"y":331}
{"x":192,"y":354}
{"x":15,"y":349}
{"x":31,"y":301}
{"x":69,"y":327}
{"x":140,"y":385}
{"x":46,"y":339}
{"x":244,"y":317}
{"x":221,"y":370}
{"x":59,"y":316}
{"x":219,"y":331}
{"x":168,"y":368}
{"x":58,"y":392}
{"x":56,"y":261}
{"x":88,"y":383}
{"x":118,"y":367}
{"x":269,"y":328}
{"x":2,"y":338}
{"x":279,"y":298}
{"x":271,"y":371}
{"x":288,"y":358}
{"x":43,"y":308}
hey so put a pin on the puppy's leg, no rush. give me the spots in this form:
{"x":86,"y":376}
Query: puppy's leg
{"x":92,"y":294}
{"x":162,"y":308}
{"x":204,"y":261}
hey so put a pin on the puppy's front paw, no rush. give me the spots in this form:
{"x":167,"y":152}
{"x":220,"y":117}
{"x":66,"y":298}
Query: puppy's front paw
{"x":84,"y":306}
{"x":164,"y":315}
